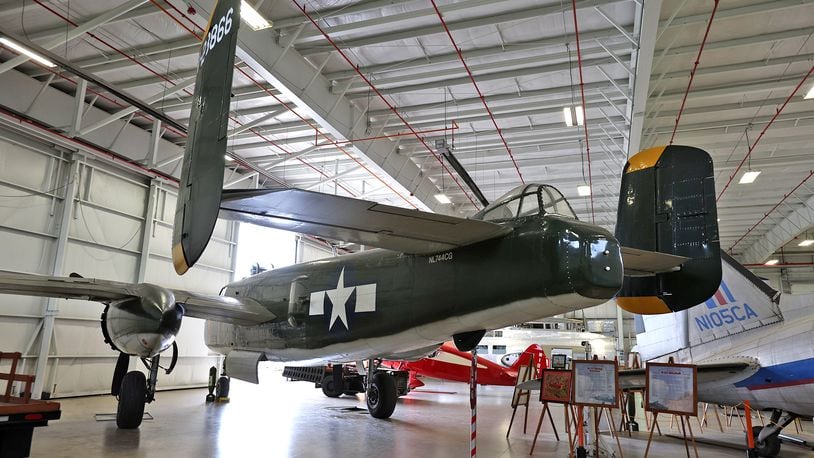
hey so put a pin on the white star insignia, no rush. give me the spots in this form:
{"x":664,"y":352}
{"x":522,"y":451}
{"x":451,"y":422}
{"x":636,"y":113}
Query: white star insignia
{"x":339,"y":298}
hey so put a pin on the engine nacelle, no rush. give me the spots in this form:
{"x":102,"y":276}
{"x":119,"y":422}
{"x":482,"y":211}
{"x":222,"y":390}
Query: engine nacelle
{"x":143,"y":326}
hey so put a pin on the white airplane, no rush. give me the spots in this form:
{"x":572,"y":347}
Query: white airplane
{"x":750,"y":343}
{"x":504,"y":346}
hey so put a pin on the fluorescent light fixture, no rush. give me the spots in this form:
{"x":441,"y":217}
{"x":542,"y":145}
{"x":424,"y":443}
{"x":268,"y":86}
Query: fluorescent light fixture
{"x":806,"y":242}
{"x":771,"y":262}
{"x":568,"y":114}
{"x":31,"y":54}
{"x":252,"y":17}
{"x":442,"y":198}
{"x":569,"y":118}
{"x":749,"y":177}
{"x":584,"y":190}
{"x":810,"y":93}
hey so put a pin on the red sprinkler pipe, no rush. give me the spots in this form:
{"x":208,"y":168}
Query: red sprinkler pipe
{"x":407,"y":134}
{"x":134,"y":60}
{"x":766,"y":215}
{"x":480,"y":94}
{"x":765,"y":128}
{"x":584,"y":110}
{"x":692,"y":73}
{"x":287,"y":106}
{"x":386,"y":102}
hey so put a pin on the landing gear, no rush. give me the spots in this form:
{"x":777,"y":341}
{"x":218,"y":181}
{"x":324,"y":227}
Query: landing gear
{"x":213,"y":379}
{"x":767,"y":440}
{"x":222,"y":388}
{"x":381,"y":395}
{"x":135,"y":389}
{"x":768,"y":447}
{"x":132,"y":397}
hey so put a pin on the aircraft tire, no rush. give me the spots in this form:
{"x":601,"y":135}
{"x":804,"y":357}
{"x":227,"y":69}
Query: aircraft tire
{"x":770,"y":447}
{"x":222,"y":388}
{"x":381,"y":395}
{"x":132,"y":397}
{"x":329,"y":389}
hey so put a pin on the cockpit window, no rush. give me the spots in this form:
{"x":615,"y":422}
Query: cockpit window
{"x":530,"y":205}
{"x":527,"y":201}
{"x":505,"y":211}
{"x":554,"y":202}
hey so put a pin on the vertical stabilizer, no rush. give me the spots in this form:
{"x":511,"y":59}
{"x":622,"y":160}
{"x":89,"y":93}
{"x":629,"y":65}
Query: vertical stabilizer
{"x":667,"y":205}
{"x":199,"y":192}
{"x":742,"y":302}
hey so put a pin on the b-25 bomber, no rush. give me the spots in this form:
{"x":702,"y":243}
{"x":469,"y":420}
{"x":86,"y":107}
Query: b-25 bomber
{"x":434,"y":277}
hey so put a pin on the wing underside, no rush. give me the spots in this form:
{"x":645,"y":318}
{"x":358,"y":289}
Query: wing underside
{"x":714,"y":373}
{"x":356,"y":221}
{"x":242,"y":310}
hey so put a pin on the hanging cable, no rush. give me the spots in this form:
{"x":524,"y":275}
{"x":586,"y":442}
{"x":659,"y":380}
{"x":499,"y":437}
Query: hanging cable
{"x":584,"y":111}
{"x":762,"y":132}
{"x":477,"y":89}
{"x":692,"y":72}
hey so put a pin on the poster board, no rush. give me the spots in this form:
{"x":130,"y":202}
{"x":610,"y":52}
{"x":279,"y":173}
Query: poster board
{"x":672,"y":388}
{"x":596,"y":383}
{"x":556,"y":386}
{"x":559,"y":361}
{"x":524,"y":374}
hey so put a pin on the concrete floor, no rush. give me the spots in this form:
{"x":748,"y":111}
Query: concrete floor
{"x":292,"y":419}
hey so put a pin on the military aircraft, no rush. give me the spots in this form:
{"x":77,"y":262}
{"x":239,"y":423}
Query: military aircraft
{"x":523,"y":257}
{"x":749,"y":342}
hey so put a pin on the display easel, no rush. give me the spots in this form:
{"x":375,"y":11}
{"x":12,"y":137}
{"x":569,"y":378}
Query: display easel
{"x":598,"y":391}
{"x":545,"y":411}
{"x":521,"y":397}
{"x":666,"y":377}
{"x":598,"y":412}
{"x":555,"y":387}
{"x":683,"y":434}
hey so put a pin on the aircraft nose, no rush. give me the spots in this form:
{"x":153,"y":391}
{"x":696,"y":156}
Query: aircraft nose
{"x":596,"y":267}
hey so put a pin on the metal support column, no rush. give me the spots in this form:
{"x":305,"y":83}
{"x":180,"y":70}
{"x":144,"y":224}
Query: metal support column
{"x":620,"y":336}
{"x":51,"y":305}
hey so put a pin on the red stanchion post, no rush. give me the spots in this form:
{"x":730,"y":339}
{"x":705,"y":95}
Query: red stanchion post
{"x":581,"y":451}
{"x":473,"y":403}
{"x":751,"y":452}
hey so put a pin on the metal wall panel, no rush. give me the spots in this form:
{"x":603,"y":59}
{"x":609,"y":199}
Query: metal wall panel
{"x":106,"y":233}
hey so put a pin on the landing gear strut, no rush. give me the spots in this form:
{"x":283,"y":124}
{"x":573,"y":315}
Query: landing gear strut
{"x":134,"y":389}
{"x":767,"y":440}
{"x":381,"y":394}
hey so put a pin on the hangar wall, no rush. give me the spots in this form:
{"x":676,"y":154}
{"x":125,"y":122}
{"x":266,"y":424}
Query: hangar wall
{"x":116,"y":225}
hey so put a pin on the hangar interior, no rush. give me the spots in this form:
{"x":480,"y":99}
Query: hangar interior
{"x":360,"y":98}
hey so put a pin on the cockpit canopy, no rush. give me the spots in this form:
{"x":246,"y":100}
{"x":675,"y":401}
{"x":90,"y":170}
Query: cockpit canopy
{"x":527,"y":200}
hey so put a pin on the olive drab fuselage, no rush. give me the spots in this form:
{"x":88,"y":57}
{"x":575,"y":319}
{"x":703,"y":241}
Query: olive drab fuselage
{"x":378,"y":302}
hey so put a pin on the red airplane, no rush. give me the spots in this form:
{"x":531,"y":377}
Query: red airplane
{"x":449,"y":363}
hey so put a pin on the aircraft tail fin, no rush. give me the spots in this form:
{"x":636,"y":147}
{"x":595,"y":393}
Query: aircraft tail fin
{"x":199,"y":192}
{"x":742,"y":302}
{"x":533,"y":352}
{"x":667,"y":205}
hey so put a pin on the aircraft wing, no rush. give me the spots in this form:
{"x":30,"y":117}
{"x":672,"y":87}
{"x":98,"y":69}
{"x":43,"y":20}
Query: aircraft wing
{"x":355,"y":220}
{"x":242,"y":310}
{"x":643,"y":263}
{"x":729,"y":370}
